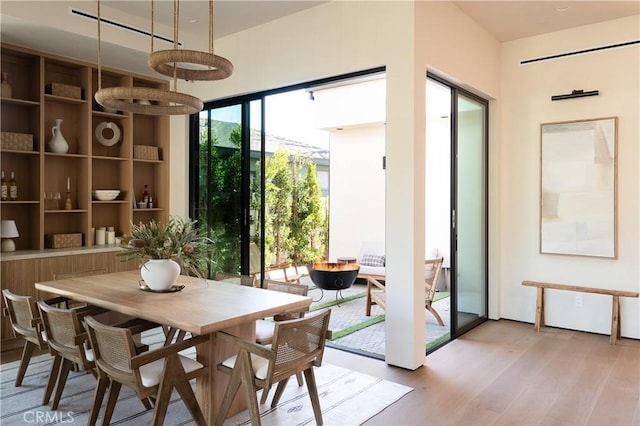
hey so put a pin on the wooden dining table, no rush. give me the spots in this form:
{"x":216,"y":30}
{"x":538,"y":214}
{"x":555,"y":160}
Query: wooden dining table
{"x":202,"y":307}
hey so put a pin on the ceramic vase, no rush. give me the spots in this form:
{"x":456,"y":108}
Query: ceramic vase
{"x":160,"y":274}
{"x":58,"y":143}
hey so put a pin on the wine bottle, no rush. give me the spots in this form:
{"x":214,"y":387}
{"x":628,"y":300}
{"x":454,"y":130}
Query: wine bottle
{"x":5,"y":188}
{"x":145,"y":195}
{"x":13,"y":188}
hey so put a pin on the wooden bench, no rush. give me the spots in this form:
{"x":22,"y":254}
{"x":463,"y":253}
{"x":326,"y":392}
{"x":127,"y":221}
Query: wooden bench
{"x":615,"y":311}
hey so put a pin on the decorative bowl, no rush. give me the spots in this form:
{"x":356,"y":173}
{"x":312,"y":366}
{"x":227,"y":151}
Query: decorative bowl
{"x":106,"y":194}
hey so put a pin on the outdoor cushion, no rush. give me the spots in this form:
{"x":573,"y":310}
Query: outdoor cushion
{"x":372,"y":260}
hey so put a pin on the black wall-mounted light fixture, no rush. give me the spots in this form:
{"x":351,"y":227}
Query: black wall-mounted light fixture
{"x":575,"y":94}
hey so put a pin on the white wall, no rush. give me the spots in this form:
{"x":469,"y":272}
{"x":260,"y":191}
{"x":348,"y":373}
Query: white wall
{"x":356,"y":208}
{"x":354,"y":114}
{"x":526,"y":103}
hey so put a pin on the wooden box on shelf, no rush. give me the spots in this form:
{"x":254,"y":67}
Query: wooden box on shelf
{"x":65,"y":90}
{"x":63,"y":240}
{"x":16,"y":141}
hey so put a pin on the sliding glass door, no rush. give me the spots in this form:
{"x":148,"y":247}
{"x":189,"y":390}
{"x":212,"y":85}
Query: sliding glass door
{"x":227,"y":201}
{"x":456,"y":208}
{"x":220,"y":173}
{"x":470,"y":212}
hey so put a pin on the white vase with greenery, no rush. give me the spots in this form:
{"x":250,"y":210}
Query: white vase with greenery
{"x":163,"y":251}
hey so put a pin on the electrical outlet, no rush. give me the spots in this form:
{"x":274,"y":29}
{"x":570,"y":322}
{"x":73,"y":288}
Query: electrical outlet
{"x":579,"y":301}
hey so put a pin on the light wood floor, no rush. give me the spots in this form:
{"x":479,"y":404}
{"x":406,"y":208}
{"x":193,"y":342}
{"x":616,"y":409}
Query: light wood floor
{"x":503,"y":372}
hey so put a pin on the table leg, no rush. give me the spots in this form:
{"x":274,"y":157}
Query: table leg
{"x":211,"y":386}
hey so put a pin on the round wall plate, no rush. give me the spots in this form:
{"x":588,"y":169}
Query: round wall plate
{"x":104,"y":138}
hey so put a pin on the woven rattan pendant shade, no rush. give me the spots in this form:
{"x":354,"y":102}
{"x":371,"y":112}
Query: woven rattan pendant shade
{"x":212,"y":67}
{"x":168,"y":102}
{"x":144,"y":100}
{"x":164,"y":62}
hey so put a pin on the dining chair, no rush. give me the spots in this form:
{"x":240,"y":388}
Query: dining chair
{"x":432,"y":270}
{"x":376,"y":291}
{"x":150,"y":374}
{"x":245,"y":280}
{"x":265,"y":328}
{"x":298,"y":346}
{"x":26,"y":322}
{"x":68,"y":343}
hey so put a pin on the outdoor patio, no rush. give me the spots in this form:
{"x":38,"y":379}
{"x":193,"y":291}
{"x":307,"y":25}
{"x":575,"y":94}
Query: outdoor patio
{"x":355,"y":332}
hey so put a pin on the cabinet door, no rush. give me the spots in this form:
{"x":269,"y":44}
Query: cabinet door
{"x":20,"y":276}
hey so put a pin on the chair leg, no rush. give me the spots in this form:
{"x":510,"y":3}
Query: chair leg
{"x":65,"y":367}
{"x":27,"y":351}
{"x":146,"y":402}
{"x":164,"y":391}
{"x":98,"y":396}
{"x":53,"y":376}
{"x":367,"y":311}
{"x":313,"y":394}
{"x":279,"y":391}
{"x":182,"y":385}
{"x":229,"y":394}
{"x":265,"y":395}
{"x":247,"y":381}
{"x":111,"y":402}
{"x":299,"y":378}
{"x":434,"y":312}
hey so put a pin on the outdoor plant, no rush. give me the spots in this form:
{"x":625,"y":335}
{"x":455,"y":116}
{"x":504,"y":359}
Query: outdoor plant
{"x":178,"y":239}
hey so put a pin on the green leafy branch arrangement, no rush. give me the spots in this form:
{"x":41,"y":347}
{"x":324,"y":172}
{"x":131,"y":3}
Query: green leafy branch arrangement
{"x":178,"y":240}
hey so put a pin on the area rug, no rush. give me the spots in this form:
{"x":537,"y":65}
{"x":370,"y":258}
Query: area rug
{"x":346,"y":397}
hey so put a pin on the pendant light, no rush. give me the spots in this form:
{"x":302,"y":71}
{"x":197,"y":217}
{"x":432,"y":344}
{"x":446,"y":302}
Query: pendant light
{"x":166,"y":61}
{"x":144,"y":100}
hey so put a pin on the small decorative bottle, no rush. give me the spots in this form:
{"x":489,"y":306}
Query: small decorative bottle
{"x":5,"y":92}
{"x":5,"y":188}
{"x":13,"y":188}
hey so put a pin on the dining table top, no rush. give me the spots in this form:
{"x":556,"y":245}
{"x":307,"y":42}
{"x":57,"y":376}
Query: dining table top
{"x":201,"y":307}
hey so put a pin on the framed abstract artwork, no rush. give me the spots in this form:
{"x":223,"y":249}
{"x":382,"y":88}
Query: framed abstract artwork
{"x":578,"y":179}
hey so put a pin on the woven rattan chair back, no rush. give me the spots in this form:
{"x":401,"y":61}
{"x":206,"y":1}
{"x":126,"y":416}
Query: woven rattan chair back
{"x":65,"y":334}
{"x":113,"y":349}
{"x":68,"y":344}
{"x":300,"y":290}
{"x":245,"y":280}
{"x":298,"y":346}
{"x":25,"y":321}
{"x":118,"y":364}
{"x":23,"y":315}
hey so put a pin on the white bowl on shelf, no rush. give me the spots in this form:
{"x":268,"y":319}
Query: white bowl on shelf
{"x":106,"y":194}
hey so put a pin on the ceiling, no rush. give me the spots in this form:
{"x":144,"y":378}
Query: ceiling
{"x":511,"y":20}
{"x":506,"y":20}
